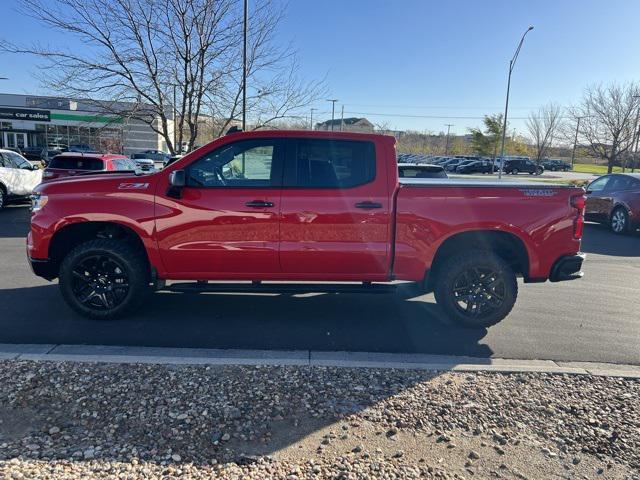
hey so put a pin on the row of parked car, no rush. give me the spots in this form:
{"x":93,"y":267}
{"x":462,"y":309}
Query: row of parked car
{"x":468,"y":164}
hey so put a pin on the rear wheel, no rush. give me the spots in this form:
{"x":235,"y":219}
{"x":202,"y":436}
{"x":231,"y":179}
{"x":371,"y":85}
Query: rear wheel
{"x":515,"y":171}
{"x":104,"y":278}
{"x":619,"y":221}
{"x":476,"y":289}
{"x":539,"y":171}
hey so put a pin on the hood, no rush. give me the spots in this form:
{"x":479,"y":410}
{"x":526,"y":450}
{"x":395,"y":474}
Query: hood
{"x":97,"y":182}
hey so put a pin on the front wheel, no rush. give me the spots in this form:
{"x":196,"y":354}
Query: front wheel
{"x":476,"y":289}
{"x":2,"y":198}
{"x":104,"y":278}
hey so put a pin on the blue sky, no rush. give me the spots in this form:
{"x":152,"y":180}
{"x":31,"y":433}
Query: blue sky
{"x":390,"y":60}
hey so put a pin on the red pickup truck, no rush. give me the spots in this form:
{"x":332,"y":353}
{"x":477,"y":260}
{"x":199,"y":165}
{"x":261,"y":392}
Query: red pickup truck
{"x":253,"y":208}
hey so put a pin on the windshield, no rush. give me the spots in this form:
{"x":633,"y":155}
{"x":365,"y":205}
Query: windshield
{"x":16,"y":159}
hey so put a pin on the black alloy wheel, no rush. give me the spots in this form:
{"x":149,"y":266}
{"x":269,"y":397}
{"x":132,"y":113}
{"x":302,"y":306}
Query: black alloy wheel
{"x":476,"y":289}
{"x":104,"y":278}
{"x":100,"y":282}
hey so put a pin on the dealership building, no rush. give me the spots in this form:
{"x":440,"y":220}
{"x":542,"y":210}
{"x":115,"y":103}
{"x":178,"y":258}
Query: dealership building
{"x":56,"y":122}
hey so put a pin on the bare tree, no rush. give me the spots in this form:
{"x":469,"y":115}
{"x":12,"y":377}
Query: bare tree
{"x":542,"y":126}
{"x":606,"y":120}
{"x":171,"y":59}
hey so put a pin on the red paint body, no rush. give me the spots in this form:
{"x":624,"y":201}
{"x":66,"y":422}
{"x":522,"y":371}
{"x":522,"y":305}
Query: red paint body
{"x":310,"y":234}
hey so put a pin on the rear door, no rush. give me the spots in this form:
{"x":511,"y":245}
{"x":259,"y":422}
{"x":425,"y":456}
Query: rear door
{"x":335,"y":210}
{"x":225,"y":224}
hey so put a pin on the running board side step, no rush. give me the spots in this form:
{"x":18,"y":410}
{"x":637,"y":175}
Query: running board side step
{"x":259,"y":287}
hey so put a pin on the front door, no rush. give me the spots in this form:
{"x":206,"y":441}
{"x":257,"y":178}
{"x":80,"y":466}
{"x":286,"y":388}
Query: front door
{"x":15,"y":140}
{"x":597,"y":200}
{"x":335,"y":211}
{"x":225,"y":225}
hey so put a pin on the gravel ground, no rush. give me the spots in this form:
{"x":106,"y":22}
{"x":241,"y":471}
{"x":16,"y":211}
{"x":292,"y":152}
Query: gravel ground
{"x":69,"y":420}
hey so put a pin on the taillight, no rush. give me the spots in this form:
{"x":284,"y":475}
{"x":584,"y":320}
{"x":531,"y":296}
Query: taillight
{"x":578,"y":202}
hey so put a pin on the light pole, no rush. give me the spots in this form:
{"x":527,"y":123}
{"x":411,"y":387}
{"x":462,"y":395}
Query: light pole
{"x":333,"y":110}
{"x":175,"y":121}
{"x":244,"y":67}
{"x":635,"y":149}
{"x":512,"y":63}
{"x":446,"y":148}
{"x":575,"y":143}
{"x":312,"y":110}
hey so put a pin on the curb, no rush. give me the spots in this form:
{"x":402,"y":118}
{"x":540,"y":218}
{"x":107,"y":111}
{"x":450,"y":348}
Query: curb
{"x":201,"y":356}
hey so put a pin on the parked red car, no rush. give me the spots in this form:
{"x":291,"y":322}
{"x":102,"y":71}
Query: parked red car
{"x":69,"y":164}
{"x":301,"y":206}
{"x":615,"y":200}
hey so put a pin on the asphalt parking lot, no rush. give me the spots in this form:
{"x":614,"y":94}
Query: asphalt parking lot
{"x":592,"y":319}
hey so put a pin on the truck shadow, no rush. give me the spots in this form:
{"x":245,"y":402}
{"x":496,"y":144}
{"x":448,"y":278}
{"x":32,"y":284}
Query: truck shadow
{"x":600,"y":240}
{"x":401,"y":322}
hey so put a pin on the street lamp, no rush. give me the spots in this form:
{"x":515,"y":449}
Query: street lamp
{"x":446,"y":148}
{"x":512,"y":63}
{"x":312,"y":110}
{"x":244,"y":66}
{"x":637,"y":125}
{"x":333,"y":110}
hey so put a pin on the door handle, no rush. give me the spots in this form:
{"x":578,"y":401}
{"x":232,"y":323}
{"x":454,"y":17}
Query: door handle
{"x":259,"y":204}
{"x":368,"y":205}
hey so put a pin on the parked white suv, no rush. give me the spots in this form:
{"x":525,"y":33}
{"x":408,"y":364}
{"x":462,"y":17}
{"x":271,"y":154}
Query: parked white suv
{"x":18,"y":177}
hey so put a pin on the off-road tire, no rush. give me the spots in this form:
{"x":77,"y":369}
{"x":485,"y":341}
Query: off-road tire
{"x":3,"y":197}
{"x":133,"y":265}
{"x":451,"y":270}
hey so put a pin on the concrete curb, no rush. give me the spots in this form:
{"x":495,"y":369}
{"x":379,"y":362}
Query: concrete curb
{"x":201,"y":356}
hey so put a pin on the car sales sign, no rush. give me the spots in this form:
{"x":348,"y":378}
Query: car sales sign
{"x":25,"y":114}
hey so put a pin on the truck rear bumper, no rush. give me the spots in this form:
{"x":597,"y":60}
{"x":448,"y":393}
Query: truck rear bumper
{"x":567,"y":268}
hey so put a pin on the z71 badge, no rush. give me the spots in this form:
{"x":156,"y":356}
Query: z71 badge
{"x":133,"y":186}
{"x":538,"y":192}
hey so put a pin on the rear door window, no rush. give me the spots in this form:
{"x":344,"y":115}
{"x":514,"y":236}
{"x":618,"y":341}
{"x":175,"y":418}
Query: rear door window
{"x":318,"y":163}
{"x":619,"y":183}
{"x":76,"y":163}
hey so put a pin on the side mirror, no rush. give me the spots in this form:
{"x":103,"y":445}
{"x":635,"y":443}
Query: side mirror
{"x":589,"y":191}
{"x":177,"y":181}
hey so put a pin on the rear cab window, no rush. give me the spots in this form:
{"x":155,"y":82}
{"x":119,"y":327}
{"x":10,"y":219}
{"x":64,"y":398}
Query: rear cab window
{"x":76,"y":163}
{"x":320,"y":163}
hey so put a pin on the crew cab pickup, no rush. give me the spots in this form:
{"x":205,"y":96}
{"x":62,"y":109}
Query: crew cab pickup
{"x":253,"y":211}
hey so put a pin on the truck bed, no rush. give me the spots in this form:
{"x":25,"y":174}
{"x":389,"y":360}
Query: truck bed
{"x":430,"y":211}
